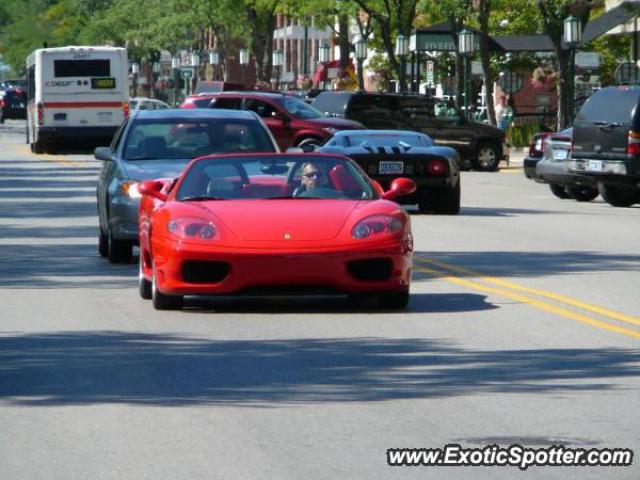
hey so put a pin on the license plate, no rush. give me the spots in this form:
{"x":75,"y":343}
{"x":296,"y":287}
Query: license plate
{"x":595,"y":166}
{"x":390,"y":168}
{"x":560,"y":154}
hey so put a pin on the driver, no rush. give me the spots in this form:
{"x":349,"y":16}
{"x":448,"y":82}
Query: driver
{"x":314,"y":176}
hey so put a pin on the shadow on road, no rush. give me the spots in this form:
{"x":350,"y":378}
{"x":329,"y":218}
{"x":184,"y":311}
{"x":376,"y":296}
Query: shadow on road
{"x":119,"y":367}
{"x":528,"y":264}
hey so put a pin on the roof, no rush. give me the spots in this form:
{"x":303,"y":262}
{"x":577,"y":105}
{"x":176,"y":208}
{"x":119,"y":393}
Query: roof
{"x":343,"y":133}
{"x":524,"y":43}
{"x":195,"y":113}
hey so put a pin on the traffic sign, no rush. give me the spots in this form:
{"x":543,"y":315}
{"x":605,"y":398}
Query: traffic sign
{"x":627,"y":73}
{"x":510,"y":81}
{"x":186,"y":73}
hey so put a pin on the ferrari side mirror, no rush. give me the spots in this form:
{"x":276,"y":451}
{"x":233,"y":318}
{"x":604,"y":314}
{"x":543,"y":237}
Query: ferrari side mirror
{"x":400,"y":187}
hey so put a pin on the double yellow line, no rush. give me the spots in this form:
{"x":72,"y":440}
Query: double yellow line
{"x":513,"y":291}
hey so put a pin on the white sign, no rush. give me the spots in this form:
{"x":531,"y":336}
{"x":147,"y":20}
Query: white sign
{"x":588,"y":59}
{"x":476,"y":68}
{"x":332,"y":72}
{"x":430,"y":75}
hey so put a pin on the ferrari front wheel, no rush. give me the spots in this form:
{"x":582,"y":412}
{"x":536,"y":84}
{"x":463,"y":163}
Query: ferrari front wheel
{"x":144,"y":285}
{"x":164,"y":302}
{"x":393,"y":300}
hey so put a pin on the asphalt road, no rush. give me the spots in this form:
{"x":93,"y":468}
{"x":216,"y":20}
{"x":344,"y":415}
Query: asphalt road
{"x":523,"y":327}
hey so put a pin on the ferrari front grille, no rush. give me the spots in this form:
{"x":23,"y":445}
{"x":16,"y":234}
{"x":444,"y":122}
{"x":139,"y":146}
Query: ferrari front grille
{"x":375,"y":269}
{"x":197,"y":271}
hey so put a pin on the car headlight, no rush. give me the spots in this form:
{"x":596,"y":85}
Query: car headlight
{"x":187,"y":228}
{"x":376,"y":226}
{"x":130,"y":189}
{"x":330,"y":130}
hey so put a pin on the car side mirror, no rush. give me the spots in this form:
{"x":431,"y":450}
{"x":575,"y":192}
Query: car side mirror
{"x":153,"y":188}
{"x":400,"y":187}
{"x":103,"y":153}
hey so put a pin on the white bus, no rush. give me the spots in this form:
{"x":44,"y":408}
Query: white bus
{"x":75,"y":94}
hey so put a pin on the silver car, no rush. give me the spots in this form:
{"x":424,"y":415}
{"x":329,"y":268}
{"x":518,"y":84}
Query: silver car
{"x":158,"y":144}
{"x":553,"y":169}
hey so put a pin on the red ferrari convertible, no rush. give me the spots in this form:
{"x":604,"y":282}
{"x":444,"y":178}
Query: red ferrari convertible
{"x":285,"y":223}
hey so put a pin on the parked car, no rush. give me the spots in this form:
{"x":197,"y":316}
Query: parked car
{"x":536,"y":152}
{"x":144,"y":103}
{"x":480,"y":146}
{"x":232,"y":224}
{"x":389,"y":154}
{"x":13,"y":104}
{"x":553,"y":169}
{"x":159,"y":143}
{"x":606,"y":143}
{"x":213,"y":86}
{"x":291,"y":121}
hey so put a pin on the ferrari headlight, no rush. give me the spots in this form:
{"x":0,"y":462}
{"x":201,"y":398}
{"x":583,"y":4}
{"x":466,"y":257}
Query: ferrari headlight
{"x":193,"y":229}
{"x":130,"y":189}
{"x":377,"y":225}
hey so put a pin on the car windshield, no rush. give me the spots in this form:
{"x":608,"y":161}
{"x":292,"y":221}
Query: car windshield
{"x":299,"y":109}
{"x":385,"y":140}
{"x":190,"y":138}
{"x":275,"y":177}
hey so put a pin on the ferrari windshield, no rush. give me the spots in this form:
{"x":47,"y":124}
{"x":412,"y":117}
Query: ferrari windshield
{"x":152,"y":139}
{"x":386,"y":140}
{"x":275,"y":177}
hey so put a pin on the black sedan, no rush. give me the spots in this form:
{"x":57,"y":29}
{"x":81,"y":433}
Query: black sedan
{"x":389,"y":154}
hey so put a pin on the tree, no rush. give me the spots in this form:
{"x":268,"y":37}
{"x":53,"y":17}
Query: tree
{"x":553,"y":13}
{"x":391,"y":18}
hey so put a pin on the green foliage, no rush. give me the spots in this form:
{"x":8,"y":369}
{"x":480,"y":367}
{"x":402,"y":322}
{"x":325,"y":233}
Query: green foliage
{"x":520,"y":135}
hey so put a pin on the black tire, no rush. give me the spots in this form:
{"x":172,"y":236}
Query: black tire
{"x":103,"y":245}
{"x":38,"y":147}
{"x":119,"y":251}
{"x":559,"y":191}
{"x":444,"y":202}
{"x":164,"y":302}
{"x":619,"y":197}
{"x":582,"y":193}
{"x":144,"y":285}
{"x":487,"y":157}
{"x":393,"y":300}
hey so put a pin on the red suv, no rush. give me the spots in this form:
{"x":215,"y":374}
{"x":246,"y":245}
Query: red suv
{"x":291,"y":121}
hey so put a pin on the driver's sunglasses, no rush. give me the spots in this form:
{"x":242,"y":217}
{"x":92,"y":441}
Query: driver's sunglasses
{"x":313,"y":175}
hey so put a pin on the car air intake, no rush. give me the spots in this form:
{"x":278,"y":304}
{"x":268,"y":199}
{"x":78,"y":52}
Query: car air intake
{"x":375,"y":269}
{"x":196,"y":271}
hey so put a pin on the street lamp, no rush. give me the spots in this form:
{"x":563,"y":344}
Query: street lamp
{"x":466,"y":48}
{"x":361,"y":55}
{"x":194,"y":58}
{"x":244,"y":61}
{"x":572,"y":38}
{"x":214,"y":60}
{"x":278,"y":61}
{"x":135,"y":71}
{"x":402,"y":50}
{"x":175,"y":65}
{"x":323,"y":56}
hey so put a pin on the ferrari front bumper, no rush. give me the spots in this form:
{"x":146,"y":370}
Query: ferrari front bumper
{"x":256,"y":269}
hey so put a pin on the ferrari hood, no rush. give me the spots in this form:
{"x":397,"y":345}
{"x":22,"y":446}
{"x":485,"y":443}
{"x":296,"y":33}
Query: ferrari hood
{"x":152,"y":169}
{"x":286,"y":220}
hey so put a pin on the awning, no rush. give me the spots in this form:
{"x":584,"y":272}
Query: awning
{"x":611,"y":19}
{"x":321,"y":73}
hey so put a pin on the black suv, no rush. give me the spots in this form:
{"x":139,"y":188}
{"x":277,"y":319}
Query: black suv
{"x":480,"y":146}
{"x":13,"y":103}
{"x":606,"y":143}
